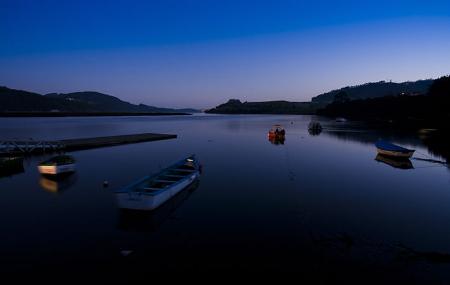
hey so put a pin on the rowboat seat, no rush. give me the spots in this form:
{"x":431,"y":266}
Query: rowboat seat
{"x":152,"y":189}
{"x":164,"y":181}
{"x":184,"y":170}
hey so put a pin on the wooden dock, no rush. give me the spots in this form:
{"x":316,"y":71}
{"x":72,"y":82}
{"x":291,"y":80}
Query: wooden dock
{"x":33,"y":146}
{"x":86,"y":143}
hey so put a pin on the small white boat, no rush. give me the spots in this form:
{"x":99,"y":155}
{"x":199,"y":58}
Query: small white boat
{"x":341,"y":120}
{"x":152,"y":191}
{"x":61,"y":164}
{"x":392,"y":150}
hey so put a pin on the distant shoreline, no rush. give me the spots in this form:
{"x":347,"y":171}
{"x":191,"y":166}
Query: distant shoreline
{"x":84,"y":114}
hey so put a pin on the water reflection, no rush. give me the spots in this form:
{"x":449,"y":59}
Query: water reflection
{"x":404,"y":163}
{"x":314,"y":132}
{"x":10,"y":166}
{"x":437,"y":143}
{"x":340,"y":196}
{"x":149,"y":221}
{"x":57,"y":184}
{"x":277,"y":140}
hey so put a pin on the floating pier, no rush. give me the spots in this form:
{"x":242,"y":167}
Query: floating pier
{"x":32,"y":146}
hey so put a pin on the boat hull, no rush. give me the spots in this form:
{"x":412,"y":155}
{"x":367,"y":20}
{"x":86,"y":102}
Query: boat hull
{"x":396,"y":154}
{"x":56,"y":169}
{"x":148,"y":201}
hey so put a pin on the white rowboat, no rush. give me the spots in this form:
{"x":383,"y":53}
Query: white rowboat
{"x":152,"y":191}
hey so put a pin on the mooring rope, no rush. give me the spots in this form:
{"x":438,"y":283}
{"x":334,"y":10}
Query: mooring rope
{"x":429,"y":158}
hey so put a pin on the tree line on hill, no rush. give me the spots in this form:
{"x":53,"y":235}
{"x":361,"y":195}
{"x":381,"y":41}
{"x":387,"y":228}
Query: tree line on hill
{"x":12,"y":100}
{"x":343,"y":95}
{"x":431,"y":108}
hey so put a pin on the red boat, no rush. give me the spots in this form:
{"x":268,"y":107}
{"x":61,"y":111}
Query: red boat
{"x":276,"y":131}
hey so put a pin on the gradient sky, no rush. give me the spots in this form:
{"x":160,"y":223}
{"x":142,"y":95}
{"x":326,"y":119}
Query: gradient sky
{"x":201,"y":53}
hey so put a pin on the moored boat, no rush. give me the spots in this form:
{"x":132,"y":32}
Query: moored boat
{"x":152,"y":191}
{"x":276,"y":131}
{"x":58,"y":165}
{"x":315,"y":126}
{"x":10,"y":166}
{"x":341,"y":120}
{"x":393,"y":150}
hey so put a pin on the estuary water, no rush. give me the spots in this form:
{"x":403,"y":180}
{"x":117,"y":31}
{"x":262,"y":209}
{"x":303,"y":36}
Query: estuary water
{"x":317,"y":204}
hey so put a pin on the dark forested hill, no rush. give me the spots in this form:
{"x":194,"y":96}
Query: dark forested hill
{"x":376,"y":89}
{"x":430,"y":109}
{"x":12,"y":100}
{"x":18,"y":100}
{"x":234,"y":106}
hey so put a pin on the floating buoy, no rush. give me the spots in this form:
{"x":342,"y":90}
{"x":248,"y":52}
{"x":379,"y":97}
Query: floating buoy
{"x":126,"y":252}
{"x":105,"y":183}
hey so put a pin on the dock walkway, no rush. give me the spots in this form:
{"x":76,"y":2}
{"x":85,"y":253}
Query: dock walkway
{"x":33,"y":146}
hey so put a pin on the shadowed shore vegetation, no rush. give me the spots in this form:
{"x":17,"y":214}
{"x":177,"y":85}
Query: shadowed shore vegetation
{"x":429,"y":110}
{"x":368,"y":91}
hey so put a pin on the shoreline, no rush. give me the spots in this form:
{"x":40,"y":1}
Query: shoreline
{"x":85,"y":114}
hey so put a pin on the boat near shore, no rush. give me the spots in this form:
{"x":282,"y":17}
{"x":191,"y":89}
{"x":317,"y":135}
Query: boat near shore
{"x":341,"y":120}
{"x":10,"y":166}
{"x":150,"y":192}
{"x":392,"y":150}
{"x":58,"y":165}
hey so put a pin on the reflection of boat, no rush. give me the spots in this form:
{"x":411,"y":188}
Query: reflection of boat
{"x":277,"y":131}
{"x":57,"y":165}
{"x":403,"y":163}
{"x":315,"y":132}
{"x":150,"y":192}
{"x":277,"y":140}
{"x":55,"y":185}
{"x":390,"y":149}
{"x":143,"y":221}
{"x":10,"y":166}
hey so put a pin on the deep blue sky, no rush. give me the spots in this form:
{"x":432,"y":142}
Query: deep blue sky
{"x":200,"y":53}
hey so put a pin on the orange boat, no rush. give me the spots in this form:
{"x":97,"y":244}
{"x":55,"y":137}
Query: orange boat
{"x":276,"y":131}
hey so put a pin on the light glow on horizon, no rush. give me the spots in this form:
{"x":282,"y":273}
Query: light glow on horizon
{"x":201,"y":69}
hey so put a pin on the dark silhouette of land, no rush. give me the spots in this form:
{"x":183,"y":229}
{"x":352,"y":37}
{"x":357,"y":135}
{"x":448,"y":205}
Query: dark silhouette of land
{"x":235,"y":106}
{"x":85,"y":114}
{"x":431,"y":109}
{"x":376,"y":90}
{"x":365,"y":91}
{"x":23,"y":103}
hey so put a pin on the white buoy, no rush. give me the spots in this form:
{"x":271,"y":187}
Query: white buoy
{"x":105,"y":183}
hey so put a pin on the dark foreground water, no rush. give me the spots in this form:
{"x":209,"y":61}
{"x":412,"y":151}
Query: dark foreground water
{"x":319,"y":206}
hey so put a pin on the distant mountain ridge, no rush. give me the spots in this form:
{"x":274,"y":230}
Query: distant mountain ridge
{"x":376,"y":90}
{"x":359,"y":92}
{"x":13,"y":100}
{"x":235,"y":106}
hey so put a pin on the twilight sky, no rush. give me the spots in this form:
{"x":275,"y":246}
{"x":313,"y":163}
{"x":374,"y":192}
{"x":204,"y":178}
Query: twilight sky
{"x":201,"y":53}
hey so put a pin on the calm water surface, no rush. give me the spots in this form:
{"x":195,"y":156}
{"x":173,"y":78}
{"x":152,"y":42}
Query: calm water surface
{"x":317,"y":203}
